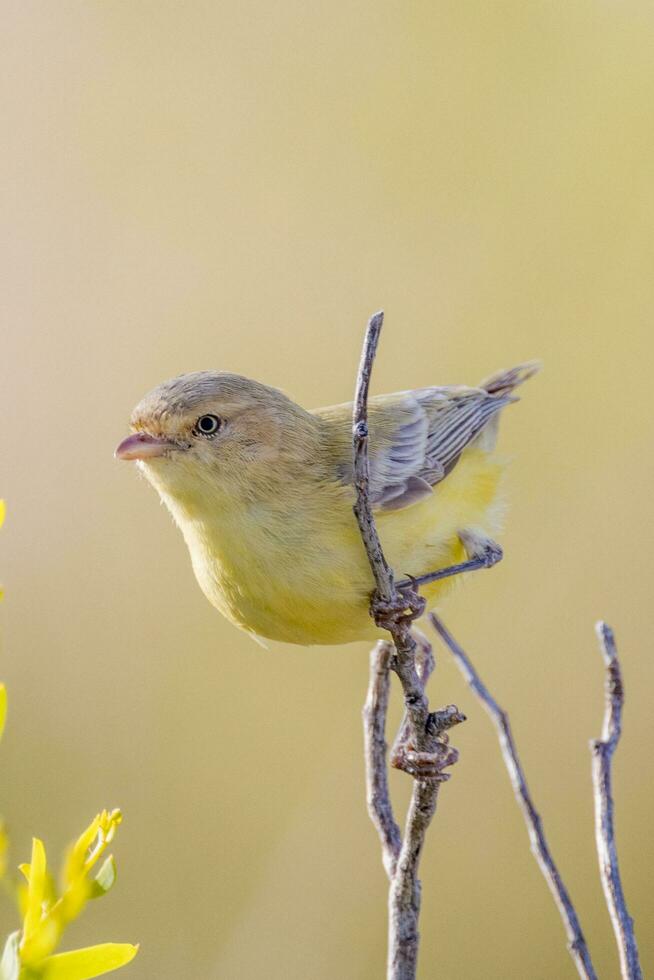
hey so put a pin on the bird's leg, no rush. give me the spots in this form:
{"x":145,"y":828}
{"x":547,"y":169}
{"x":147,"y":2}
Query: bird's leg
{"x":482,"y":552}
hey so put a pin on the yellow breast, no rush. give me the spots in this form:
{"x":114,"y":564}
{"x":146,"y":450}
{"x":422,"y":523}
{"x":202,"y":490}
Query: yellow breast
{"x":300,"y":574}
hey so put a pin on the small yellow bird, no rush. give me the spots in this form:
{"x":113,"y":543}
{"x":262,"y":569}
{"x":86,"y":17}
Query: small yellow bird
{"x":262,"y":492}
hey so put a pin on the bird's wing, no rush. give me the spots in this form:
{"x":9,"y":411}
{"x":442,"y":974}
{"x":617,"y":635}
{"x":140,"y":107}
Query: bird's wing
{"x":416,"y":438}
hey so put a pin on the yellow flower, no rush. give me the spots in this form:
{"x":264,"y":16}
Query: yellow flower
{"x":46,"y":914}
{"x":29,"y":952}
{"x":41,"y":930}
{"x":82,"y":857}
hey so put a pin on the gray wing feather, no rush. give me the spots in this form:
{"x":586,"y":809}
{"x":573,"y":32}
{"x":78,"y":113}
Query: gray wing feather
{"x":441,"y":423}
{"x":459,"y":425}
{"x":395,"y":470}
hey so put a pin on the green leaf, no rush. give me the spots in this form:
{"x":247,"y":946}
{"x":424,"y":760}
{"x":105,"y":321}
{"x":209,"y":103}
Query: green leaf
{"x":3,"y":708}
{"x":10,"y":962}
{"x":92,"y":961}
{"x":105,"y":878}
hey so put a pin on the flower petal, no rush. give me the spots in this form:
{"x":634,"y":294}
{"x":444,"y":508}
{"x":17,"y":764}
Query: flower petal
{"x":92,"y":961}
{"x":10,"y":963}
{"x":36,"y":891}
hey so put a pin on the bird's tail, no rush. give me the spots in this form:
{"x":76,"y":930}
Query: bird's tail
{"x":503,"y":382}
{"x":500,"y":386}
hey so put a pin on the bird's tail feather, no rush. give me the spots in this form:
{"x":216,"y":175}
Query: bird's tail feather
{"x":503,"y":382}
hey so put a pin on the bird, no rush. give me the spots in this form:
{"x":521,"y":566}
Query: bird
{"x":263,"y":493}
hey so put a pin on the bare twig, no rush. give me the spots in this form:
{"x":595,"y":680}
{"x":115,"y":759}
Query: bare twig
{"x":576,"y":941}
{"x":374,"y":725}
{"x":425,"y":664}
{"x":362,"y":509}
{"x":602,"y":750}
{"x":424,"y":751}
{"x":404,"y":896}
{"x":391,"y":609}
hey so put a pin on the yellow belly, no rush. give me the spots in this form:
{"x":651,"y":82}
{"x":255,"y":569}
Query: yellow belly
{"x":311,"y":583}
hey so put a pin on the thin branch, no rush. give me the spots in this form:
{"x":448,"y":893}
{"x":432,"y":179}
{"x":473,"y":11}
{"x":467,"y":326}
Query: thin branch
{"x":374,"y":726}
{"x":404,"y":896}
{"x":576,"y":941}
{"x":362,"y":509}
{"x":424,"y":750}
{"x":402,"y":755}
{"x":602,"y":751}
{"x":391,"y":609}
{"x":425,"y":664}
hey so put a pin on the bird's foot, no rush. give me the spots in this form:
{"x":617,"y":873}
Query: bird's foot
{"x":426,"y":765}
{"x":481,"y":549}
{"x":430,"y":763}
{"x":405,"y":607}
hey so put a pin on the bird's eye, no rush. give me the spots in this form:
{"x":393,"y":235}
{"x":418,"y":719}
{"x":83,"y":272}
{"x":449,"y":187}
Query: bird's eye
{"x":207,"y":425}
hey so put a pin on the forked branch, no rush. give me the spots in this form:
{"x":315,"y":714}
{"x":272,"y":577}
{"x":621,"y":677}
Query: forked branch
{"x":422,"y":748}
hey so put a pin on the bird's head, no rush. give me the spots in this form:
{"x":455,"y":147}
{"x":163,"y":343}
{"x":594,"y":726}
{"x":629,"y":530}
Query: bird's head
{"x":212,"y":433}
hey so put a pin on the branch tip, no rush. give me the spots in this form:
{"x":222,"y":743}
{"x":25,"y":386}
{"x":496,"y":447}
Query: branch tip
{"x":576,"y":941}
{"x":440,"y":721}
{"x":602,"y":759}
{"x":606,"y":638}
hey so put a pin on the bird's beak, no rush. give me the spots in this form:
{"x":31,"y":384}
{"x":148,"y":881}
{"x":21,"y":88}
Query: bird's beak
{"x":143,"y":446}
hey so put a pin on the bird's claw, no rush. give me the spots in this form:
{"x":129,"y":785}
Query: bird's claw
{"x":426,"y":765}
{"x":481,"y":549}
{"x":407,"y":606}
{"x":491,"y":554}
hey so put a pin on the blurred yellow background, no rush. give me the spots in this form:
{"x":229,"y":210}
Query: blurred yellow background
{"x":238,"y":186}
